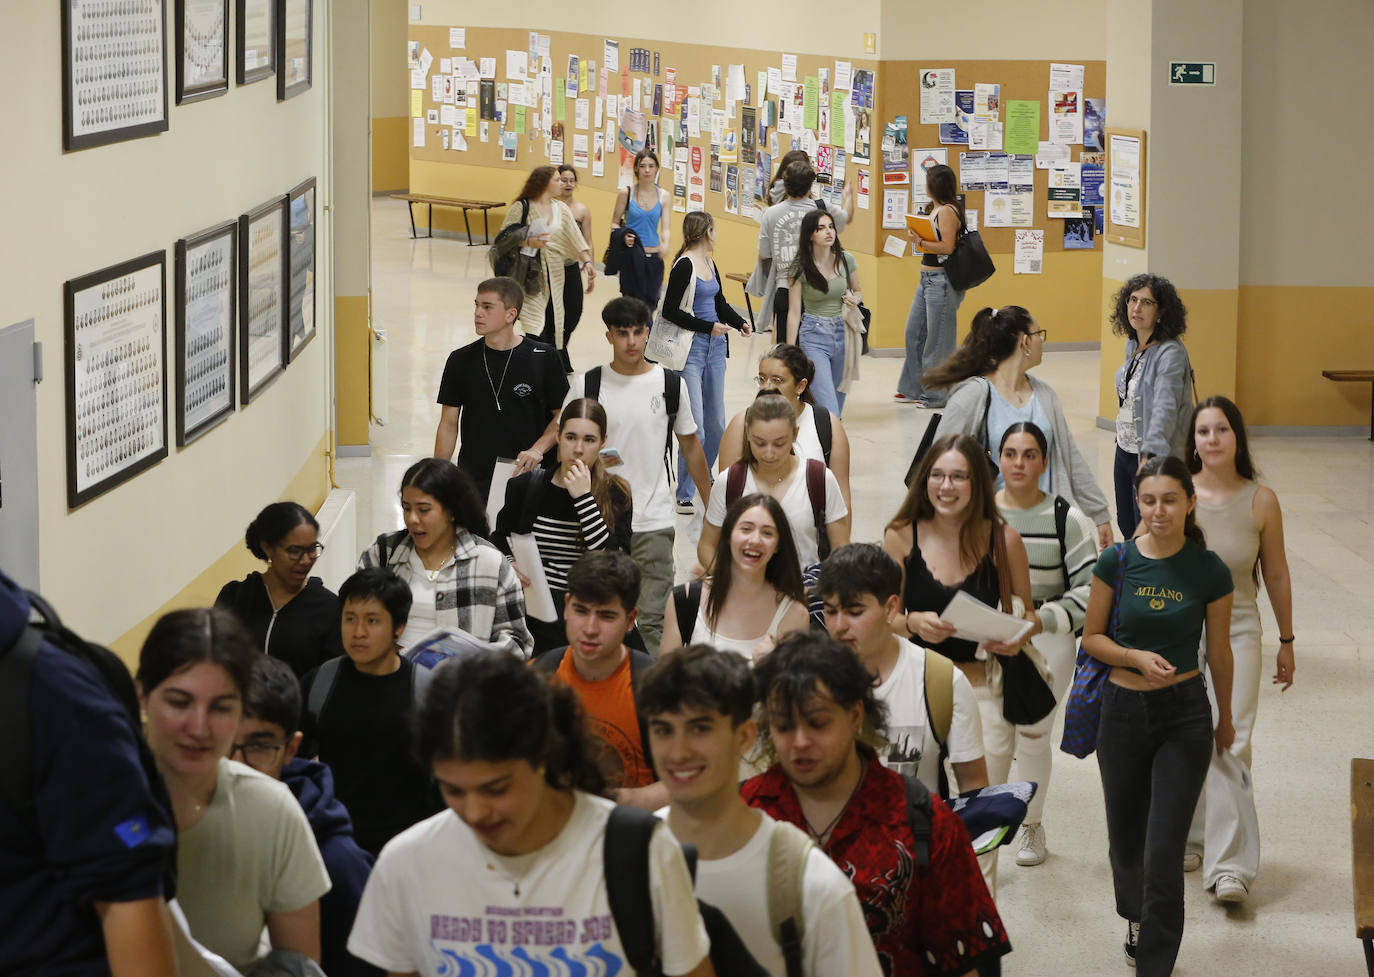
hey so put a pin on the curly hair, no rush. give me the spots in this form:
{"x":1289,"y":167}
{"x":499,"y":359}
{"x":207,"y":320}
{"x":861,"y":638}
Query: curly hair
{"x":537,"y":182}
{"x":808,"y":664}
{"x":1173,"y":317}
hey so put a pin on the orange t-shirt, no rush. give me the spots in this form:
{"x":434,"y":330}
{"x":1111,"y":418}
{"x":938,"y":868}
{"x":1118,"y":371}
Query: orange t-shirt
{"x":610,"y":708}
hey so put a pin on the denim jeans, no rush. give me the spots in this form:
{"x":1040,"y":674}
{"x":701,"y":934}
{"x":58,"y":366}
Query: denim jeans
{"x":1123,"y":473}
{"x":704,"y":375}
{"x":1153,"y":749}
{"x":822,"y":339}
{"x":930,"y":333}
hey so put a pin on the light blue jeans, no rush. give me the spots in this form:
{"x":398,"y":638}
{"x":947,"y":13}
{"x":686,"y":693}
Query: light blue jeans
{"x":704,"y":374}
{"x":822,"y":339}
{"x":930,"y":333}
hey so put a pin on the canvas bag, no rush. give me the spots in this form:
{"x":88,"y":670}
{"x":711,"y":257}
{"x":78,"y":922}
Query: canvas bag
{"x":669,"y":343}
{"x":1083,"y":705}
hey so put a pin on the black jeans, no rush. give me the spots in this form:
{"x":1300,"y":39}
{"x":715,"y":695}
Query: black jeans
{"x":572,"y":312}
{"x":1153,"y":749}
{"x":1123,"y":472}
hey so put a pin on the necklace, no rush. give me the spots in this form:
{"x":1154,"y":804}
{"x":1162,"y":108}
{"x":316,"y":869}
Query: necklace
{"x":495,"y":387}
{"x":514,"y":880}
{"x":434,"y":574}
{"x":824,"y":833}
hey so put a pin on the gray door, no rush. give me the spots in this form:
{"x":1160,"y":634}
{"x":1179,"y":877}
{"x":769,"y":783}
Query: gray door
{"x":18,"y":456}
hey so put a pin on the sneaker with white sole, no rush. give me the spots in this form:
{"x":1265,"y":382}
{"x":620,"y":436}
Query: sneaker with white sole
{"x":1032,"y":850}
{"x":685,"y":507}
{"x":1231,"y":891}
{"x":1192,"y":860}
{"x":1132,"y":939}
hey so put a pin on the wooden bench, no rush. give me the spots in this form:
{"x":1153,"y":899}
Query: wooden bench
{"x":735,"y":276}
{"x":433,"y":201}
{"x":1362,"y":852}
{"x":1356,"y":376}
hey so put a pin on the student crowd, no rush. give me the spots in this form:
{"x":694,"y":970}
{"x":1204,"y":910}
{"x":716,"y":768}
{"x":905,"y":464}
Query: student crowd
{"x":420,"y":777}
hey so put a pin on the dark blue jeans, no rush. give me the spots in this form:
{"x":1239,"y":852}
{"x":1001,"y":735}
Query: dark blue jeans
{"x":1123,"y":472}
{"x":1153,"y":749}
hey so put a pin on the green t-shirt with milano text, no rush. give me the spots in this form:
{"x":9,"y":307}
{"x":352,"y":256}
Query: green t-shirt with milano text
{"x":1164,"y":602}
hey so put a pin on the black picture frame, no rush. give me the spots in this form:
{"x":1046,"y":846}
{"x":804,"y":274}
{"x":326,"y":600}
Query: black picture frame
{"x":107,"y":96}
{"x":261,"y":54}
{"x":115,"y":367}
{"x":301,"y":270}
{"x":295,"y":39}
{"x":206,"y":289}
{"x":196,"y":42}
{"x":262,"y":297}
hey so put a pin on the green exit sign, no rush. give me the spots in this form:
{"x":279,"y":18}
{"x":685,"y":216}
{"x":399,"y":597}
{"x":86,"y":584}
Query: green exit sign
{"x":1192,"y":72}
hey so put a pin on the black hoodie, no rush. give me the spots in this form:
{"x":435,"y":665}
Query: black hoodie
{"x":304,"y":632}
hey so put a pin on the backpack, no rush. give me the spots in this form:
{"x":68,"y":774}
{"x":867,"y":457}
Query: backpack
{"x":626,"y":861}
{"x":686,"y":605}
{"x":386,"y":543}
{"x":672,"y":392}
{"x":16,"y":670}
{"x":824,"y":434}
{"x":815,"y":491}
{"x":509,"y":261}
{"x":327,"y":676}
{"x":938,"y":690}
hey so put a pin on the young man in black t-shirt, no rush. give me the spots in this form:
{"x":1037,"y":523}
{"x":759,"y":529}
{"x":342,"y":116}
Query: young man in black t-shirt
{"x":504,"y":390}
{"x":358,"y":718}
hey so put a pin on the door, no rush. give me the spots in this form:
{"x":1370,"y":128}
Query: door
{"x":18,"y":456}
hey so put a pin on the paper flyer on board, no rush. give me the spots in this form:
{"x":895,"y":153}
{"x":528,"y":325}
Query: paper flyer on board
{"x":1029,"y":253}
{"x":1065,"y":191}
{"x":895,"y":208}
{"x":1066,"y":117}
{"x":987,"y":103}
{"x":1094,"y":123}
{"x":937,"y":95}
{"x":956,"y":133}
{"x":1022,"y":126}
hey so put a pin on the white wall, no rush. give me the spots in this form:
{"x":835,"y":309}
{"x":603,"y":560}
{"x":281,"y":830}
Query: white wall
{"x":992,"y":30}
{"x":117,"y":559}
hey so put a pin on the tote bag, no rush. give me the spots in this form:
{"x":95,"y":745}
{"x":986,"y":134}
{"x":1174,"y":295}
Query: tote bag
{"x":969,"y":265}
{"x":1083,"y":706}
{"x":669,"y":343}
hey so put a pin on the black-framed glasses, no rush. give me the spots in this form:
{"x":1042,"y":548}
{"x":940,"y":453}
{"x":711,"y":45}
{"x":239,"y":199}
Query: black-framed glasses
{"x":298,"y":553}
{"x":256,"y":752}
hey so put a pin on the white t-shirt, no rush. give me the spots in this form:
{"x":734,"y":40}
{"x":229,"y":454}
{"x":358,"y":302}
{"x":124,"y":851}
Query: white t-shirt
{"x":637,"y":426}
{"x":912,"y":746}
{"x":808,"y":443}
{"x":835,"y":939}
{"x":438,"y":899}
{"x":796,"y":503}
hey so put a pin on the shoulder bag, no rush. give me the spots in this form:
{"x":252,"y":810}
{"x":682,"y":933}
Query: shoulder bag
{"x":669,"y":343}
{"x":969,"y":264}
{"x":1083,"y":707}
{"x":508,"y":259}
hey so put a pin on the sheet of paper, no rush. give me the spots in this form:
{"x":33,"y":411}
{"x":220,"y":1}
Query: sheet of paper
{"x":811,"y":93}
{"x":582,"y":113}
{"x":418,"y":139}
{"x":1065,"y":191}
{"x":895,"y":208}
{"x":517,"y":65}
{"x":448,"y":115}
{"x":417,"y":79}
{"x":971,"y":219}
{"x":538,"y":597}
{"x":457,"y":37}
{"x":1064,"y":77}
{"x":445,"y":66}
{"x":1021,"y":171}
{"x":985,"y":135}
{"x":997,"y":169}
{"x":417,"y":104}
{"x":735,"y":84}
{"x":997,"y":208}
{"x":496,"y":495}
{"x":987,"y":103}
{"x":1066,"y":117}
{"x":844,"y":72}
{"x":894,"y":246}
{"x":426,"y":60}
{"x":937,"y":95}
{"x":1030,"y":251}
{"x":789,"y":67}
{"x":1022,"y":133}
{"x":487,"y":67}
{"x":610,"y":55}
{"x":1050,"y":154}
{"x":975,"y":621}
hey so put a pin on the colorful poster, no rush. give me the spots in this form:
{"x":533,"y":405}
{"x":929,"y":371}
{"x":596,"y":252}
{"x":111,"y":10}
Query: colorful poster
{"x":763,"y":174}
{"x":956,"y":133}
{"x":839,"y":109}
{"x":895,"y":151}
{"x":598,"y":154}
{"x":1079,"y":232}
{"x":861,"y":147}
{"x":1065,"y":192}
{"x":1066,"y":117}
{"x":1022,"y":131}
{"x":1030,"y":250}
{"x":1094,"y":123}
{"x":1092,"y":176}
{"x":732,"y":189}
{"x":894,"y":208}
{"x":696,"y":180}
{"x":987,"y":103}
{"x":747,"y":133}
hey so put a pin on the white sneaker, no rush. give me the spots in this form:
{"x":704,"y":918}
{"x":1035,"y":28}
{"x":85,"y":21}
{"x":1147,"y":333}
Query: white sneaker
{"x":1231,"y":891}
{"x":1192,"y":860}
{"x":1032,"y":850}
{"x":685,"y":508}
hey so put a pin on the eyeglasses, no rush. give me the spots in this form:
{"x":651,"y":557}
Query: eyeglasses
{"x":298,"y":553}
{"x":763,"y":381}
{"x":1141,"y":301}
{"x":1042,"y":333}
{"x":255,"y":753}
{"x":958,"y":478}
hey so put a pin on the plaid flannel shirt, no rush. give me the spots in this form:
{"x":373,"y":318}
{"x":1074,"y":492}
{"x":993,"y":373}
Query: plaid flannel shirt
{"x":477,"y":592}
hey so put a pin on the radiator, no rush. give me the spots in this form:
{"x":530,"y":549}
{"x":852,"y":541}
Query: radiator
{"x":338,"y":519}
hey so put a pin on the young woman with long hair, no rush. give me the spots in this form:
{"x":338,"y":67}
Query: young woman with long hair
{"x":825,"y":280}
{"x":645,"y":208}
{"x":1152,"y":384}
{"x":457,"y":579}
{"x":931,"y":323}
{"x":993,"y":389}
{"x":770,"y":466}
{"x":579,"y":507}
{"x":246,"y":857}
{"x":524,"y":835}
{"x":948,"y":537}
{"x":755,"y":593}
{"x":1156,"y":737}
{"x":572,"y":268}
{"x":785,"y":369}
{"x":1244,"y":526}
{"x":1060,"y":552}
{"x":696,"y":302}
{"x":553,"y":230}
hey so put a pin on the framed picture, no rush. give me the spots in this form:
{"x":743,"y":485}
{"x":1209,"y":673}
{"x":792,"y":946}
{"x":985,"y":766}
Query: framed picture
{"x":262,"y":296}
{"x":202,"y":49}
{"x":115,"y":335}
{"x":204,"y":350}
{"x":295,"y":46}
{"x":114,"y":71}
{"x":300,"y":264}
{"x":256,"y":45}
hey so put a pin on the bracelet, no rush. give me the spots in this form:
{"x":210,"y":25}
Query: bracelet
{"x":1287,"y":641}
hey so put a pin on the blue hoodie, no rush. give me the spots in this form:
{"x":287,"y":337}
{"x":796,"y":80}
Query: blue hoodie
{"x":347,"y":864}
{"x":103,"y":837}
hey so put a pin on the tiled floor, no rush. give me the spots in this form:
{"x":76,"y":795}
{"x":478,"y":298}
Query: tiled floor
{"x":1060,"y":915}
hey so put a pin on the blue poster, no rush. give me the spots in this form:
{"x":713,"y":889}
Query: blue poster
{"x":1094,"y":121}
{"x":1092,"y":185}
{"x":1078,"y":233}
{"x":956,"y":133}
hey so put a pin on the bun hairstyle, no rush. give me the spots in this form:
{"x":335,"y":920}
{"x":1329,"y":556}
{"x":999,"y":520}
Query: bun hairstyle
{"x":274,"y":523}
{"x":1168,"y":466}
{"x":765,"y":407}
{"x":995,"y":335}
{"x":181,"y":639}
{"x":798,"y":364}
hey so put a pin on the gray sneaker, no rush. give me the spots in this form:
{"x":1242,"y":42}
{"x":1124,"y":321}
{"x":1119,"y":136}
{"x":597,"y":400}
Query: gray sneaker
{"x":1132,"y":938}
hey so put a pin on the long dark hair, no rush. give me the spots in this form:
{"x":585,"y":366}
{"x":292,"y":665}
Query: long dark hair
{"x":804,"y":663}
{"x":783,"y":570}
{"x":1027,"y":427}
{"x":1169,"y":466}
{"x":943,"y":187}
{"x":798,"y":364}
{"x":791,"y":156}
{"x":181,"y":639}
{"x":1173,"y":317}
{"x":537,"y":183}
{"x":603,"y":482}
{"x":804,"y":265}
{"x":453,"y":489}
{"x":994,"y":337}
{"x":275,"y":523}
{"x":643,"y":154}
{"x":489,"y":706}
{"x":1245,"y":466}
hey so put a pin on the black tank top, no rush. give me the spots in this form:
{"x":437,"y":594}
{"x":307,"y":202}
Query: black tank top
{"x":925,"y":593}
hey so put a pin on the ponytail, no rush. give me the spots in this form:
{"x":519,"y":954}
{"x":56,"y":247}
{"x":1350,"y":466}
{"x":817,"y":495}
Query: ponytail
{"x":993,"y":338}
{"x":766,"y":407}
{"x":1170,"y":467}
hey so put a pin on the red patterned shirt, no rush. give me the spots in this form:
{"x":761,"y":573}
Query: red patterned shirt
{"x":925,"y":922}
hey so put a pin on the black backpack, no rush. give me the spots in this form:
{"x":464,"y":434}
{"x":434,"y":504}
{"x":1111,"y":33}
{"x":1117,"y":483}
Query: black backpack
{"x":16,"y":677}
{"x":672,"y":390}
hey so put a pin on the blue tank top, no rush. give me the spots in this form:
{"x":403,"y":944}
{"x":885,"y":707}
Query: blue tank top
{"x":644,"y":222}
{"x":704,"y":300}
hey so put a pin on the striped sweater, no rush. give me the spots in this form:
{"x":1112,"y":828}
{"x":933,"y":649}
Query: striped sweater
{"x":1061,"y":595}
{"x":564,"y":527}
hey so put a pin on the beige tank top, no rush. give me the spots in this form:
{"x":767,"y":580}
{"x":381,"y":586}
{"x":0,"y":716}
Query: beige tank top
{"x":1233,"y":535}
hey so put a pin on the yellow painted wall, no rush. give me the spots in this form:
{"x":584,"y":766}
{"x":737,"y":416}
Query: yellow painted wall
{"x":390,"y":158}
{"x":352,"y":368}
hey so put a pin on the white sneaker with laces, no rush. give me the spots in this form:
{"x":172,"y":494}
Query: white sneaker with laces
{"x":1231,"y":891}
{"x":1033,"y":849}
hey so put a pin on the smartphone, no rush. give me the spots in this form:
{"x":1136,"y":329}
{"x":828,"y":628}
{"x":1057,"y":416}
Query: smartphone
{"x":610,"y":457}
